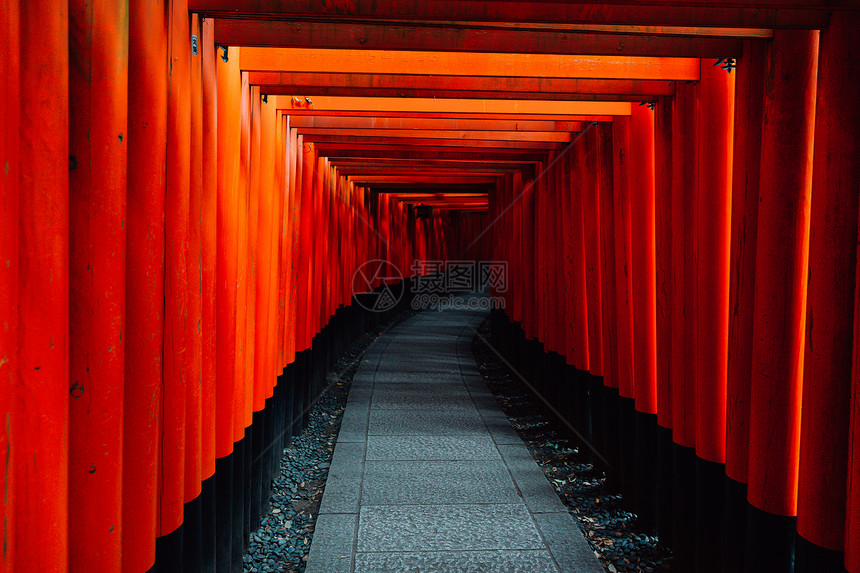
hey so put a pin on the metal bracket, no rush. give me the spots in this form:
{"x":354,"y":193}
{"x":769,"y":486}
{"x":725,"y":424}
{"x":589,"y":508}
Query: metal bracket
{"x":223,"y":57}
{"x":649,"y":104}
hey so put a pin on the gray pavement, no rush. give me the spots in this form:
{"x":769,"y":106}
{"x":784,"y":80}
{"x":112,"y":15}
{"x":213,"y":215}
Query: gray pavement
{"x":428,"y":474}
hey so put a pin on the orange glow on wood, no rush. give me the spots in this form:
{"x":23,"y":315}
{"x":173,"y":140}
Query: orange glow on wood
{"x":469,"y":64}
{"x":490,"y":135}
{"x":477,"y":106}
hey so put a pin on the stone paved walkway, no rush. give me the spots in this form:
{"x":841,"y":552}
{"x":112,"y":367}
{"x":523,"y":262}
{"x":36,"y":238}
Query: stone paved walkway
{"x":429,"y":476}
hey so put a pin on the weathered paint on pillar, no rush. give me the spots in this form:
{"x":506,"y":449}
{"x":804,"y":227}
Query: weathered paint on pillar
{"x":41,"y":480}
{"x":176,"y":204}
{"x":821,"y":504}
{"x":623,"y":262}
{"x":749,"y":97}
{"x":147,"y":148}
{"x":98,"y":108}
{"x":713,"y":236}
{"x":782,"y":252}
{"x":684,"y":138}
{"x":643,"y":253}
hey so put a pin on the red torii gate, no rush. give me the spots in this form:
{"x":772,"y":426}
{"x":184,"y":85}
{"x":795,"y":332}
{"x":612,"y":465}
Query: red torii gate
{"x":188,"y":201}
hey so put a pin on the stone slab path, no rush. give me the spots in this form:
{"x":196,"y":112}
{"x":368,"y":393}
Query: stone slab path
{"x":428,"y":474}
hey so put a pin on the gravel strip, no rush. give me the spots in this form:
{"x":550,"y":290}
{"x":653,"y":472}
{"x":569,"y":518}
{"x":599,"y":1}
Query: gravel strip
{"x":610,"y":529}
{"x":284,"y":538}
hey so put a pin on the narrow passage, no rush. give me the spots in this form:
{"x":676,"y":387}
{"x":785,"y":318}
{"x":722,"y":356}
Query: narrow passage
{"x":428,"y":474}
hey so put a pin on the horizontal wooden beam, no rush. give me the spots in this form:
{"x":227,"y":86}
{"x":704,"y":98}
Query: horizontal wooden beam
{"x":808,"y":14}
{"x":383,"y":36}
{"x":383,"y":106}
{"x":392,"y":152}
{"x":404,"y":142}
{"x":407,"y":83}
{"x":408,"y":123}
{"x":455,"y":134}
{"x":474,"y":171}
{"x":413,"y":187}
{"x":397,"y":164}
{"x":432,"y":93}
{"x":468,"y":64}
{"x":424,"y":179}
{"x":461,"y":195}
{"x":446,"y":115}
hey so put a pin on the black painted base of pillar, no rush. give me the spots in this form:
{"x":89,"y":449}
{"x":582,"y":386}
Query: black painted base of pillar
{"x":627,"y":449}
{"x":710,"y":489}
{"x":612,"y":438}
{"x":169,"y":552}
{"x":812,"y":558}
{"x":770,"y":542}
{"x":683,"y":508}
{"x":664,"y":485}
{"x":733,"y":537}
{"x":215,"y":533}
{"x":645,"y":426}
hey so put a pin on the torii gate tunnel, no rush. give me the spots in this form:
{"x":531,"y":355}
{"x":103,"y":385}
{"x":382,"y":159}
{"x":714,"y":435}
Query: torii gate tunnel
{"x":189,"y":187}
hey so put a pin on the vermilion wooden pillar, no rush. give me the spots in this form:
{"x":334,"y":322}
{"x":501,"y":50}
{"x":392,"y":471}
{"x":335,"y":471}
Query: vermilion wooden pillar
{"x":643,"y":254}
{"x":144,"y":329}
{"x":515,"y":264}
{"x":625,"y":412}
{"x":591,"y":229}
{"x":713,"y":231}
{"x":608,"y":432}
{"x":242,"y":387}
{"x":98,"y":88}
{"x":41,"y":480}
{"x":580,"y":181}
{"x":665,"y":303}
{"x":268,"y":213}
{"x":566,"y":182}
{"x":606,"y":188}
{"x":9,"y":204}
{"x":289,"y":245}
{"x":528,"y":269}
{"x":713,"y":238}
{"x":177,"y":181}
{"x":780,"y":297}
{"x":623,"y":263}
{"x":749,"y":87}
{"x":829,"y":324}
{"x":663,"y":192}
{"x":852,"y":521}
{"x":684,"y":144}
{"x":194,"y":260}
{"x":209,"y":243}
{"x":305,"y":265}
{"x":199,"y":526}
{"x":644,"y":294}
{"x":684,"y":128}
{"x":228,"y":90}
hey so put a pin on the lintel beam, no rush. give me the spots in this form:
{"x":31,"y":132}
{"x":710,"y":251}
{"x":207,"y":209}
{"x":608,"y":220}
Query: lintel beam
{"x":384,"y":36}
{"x":468,"y":64}
{"x":322,"y":140}
{"x":807,"y":14}
{"x":408,"y":123}
{"x":449,"y":134}
{"x":382,"y":106}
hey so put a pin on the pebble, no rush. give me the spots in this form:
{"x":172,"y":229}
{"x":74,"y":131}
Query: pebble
{"x":609,"y":528}
{"x":284,"y":538}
